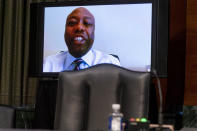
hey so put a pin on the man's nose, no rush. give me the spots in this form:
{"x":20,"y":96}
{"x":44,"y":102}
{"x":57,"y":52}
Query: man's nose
{"x":80,"y":27}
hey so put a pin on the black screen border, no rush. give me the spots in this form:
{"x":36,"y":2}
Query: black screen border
{"x":36,"y":46}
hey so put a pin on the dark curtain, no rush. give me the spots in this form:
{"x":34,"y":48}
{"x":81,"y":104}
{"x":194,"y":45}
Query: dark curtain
{"x":14,"y":36}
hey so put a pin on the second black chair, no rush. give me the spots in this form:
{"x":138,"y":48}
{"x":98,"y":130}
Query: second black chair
{"x":7,"y":116}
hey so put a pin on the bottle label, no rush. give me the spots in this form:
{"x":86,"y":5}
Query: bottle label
{"x":115,"y":124}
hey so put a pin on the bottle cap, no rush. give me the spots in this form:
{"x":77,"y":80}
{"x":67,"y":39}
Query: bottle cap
{"x":116,"y":106}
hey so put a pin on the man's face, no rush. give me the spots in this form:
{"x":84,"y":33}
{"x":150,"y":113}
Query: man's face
{"x":79,"y":32}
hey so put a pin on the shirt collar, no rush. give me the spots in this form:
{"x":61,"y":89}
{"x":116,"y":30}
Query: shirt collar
{"x":87,"y":58}
{"x":69,"y":59}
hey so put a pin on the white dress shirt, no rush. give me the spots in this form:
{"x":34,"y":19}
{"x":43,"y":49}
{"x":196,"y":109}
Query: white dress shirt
{"x":64,"y":61}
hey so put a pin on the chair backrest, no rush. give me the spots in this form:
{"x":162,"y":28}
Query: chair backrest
{"x":84,"y":98}
{"x":7,"y":116}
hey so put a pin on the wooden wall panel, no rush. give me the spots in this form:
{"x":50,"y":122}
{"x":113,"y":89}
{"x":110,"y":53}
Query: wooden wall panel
{"x":176,"y":55}
{"x":191,"y":55}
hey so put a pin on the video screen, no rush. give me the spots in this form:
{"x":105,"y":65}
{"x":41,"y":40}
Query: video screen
{"x":122,"y":32}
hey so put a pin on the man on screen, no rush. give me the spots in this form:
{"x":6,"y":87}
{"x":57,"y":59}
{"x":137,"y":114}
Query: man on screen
{"x":79,"y":38}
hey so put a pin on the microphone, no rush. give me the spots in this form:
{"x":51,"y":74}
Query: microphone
{"x":160,"y":111}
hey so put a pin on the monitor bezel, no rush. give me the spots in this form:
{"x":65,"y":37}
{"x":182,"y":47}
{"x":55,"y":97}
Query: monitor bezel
{"x":37,"y":31}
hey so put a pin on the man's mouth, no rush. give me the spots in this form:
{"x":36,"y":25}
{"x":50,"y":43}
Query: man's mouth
{"x":79,"y":40}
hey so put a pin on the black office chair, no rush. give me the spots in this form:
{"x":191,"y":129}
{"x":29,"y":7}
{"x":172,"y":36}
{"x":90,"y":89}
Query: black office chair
{"x":85,"y":97}
{"x":7,"y":116}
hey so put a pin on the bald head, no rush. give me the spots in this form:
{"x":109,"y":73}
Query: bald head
{"x":81,"y":10}
{"x":79,"y":32}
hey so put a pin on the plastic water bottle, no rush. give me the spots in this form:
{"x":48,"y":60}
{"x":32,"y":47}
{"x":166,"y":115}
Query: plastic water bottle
{"x":115,"y":119}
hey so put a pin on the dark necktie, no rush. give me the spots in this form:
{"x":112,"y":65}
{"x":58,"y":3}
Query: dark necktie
{"x":77,"y":63}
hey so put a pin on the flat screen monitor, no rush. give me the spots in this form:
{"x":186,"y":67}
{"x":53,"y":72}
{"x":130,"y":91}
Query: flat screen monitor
{"x":125,"y":29}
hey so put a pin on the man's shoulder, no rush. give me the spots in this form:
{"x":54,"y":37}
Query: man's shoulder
{"x":58,"y":56}
{"x":103,"y":57}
